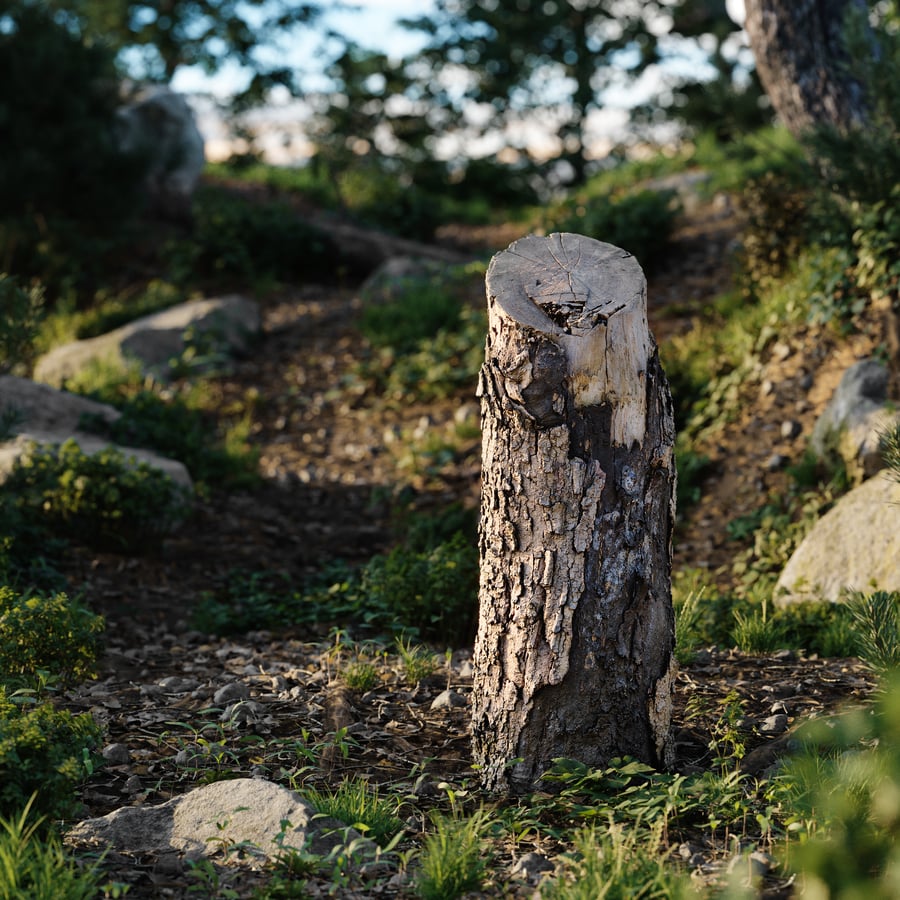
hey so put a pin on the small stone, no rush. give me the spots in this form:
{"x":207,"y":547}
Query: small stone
{"x":448,"y":700}
{"x":807,"y":381}
{"x":790,"y":429}
{"x":776,"y":461}
{"x":116,"y":754}
{"x":774,"y":724}
{"x":778,"y":708}
{"x":766,"y":388}
{"x":243,"y":712}
{"x":781,"y":351}
{"x":530,"y":867}
{"x":228,"y":693}
{"x":466,"y":670}
{"x":175,"y":684}
{"x":133,"y":785}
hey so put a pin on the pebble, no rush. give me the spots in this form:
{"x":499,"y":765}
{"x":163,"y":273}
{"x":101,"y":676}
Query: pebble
{"x":116,"y":754}
{"x":243,"y":712}
{"x":448,"y":700}
{"x":790,"y":429}
{"x":530,"y":867}
{"x":133,"y":785}
{"x":777,"y":461}
{"x":237,"y":690}
{"x":781,"y":351}
{"x":774,"y":724}
{"x":175,"y":684}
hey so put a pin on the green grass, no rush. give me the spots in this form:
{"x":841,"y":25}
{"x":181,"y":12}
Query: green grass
{"x":359,"y":804}
{"x":34,"y":865}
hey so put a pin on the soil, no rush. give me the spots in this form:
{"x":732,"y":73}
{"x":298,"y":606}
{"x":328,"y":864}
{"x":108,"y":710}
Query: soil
{"x":329,"y":465}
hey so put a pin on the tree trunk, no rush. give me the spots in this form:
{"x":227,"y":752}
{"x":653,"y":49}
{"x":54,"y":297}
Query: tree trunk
{"x":574,"y":650}
{"x":801,"y":60}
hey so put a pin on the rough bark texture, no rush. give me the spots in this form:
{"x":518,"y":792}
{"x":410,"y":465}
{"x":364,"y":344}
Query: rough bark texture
{"x":574,"y":650}
{"x":800,"y":57}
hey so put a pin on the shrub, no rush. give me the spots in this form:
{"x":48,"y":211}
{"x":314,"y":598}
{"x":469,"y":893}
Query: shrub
{"x":101,"y":500}
{"x":235,"y":239}
{"x":432,"y":593}
{"x":44,"y":752}
{"x":53,"y":633}
{"x":174,"y":428}
{"x":640,"y":223}
{"x":19,"y":322}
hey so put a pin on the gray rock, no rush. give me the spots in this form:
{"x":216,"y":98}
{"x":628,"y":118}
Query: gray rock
{"x":159,"y":123}
{"x":154,"y":341}
{"x":236,"y":690}
{"x":530,"y":867}
{"x":116,"y":754}
{"x":448,"y":700}
{"x":790,"y":429}
{"x":855,"y":418}
{"x":223,"y":813}
{"x":776,"y":724}
{"x":47,"y":416}
{"x":854,"y":546}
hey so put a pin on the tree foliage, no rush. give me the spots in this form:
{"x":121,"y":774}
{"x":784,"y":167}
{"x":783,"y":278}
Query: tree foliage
{"x":512,"y":57}
{"x":155,"y":38}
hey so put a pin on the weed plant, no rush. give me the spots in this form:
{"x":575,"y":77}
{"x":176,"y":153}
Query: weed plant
{"x":418,"y":662}
{"x":360,"y":805}
{"x":34,"y":865}
{"x":618,"y":863}
{"x":454,"y":856}
{"x":876,"y":617}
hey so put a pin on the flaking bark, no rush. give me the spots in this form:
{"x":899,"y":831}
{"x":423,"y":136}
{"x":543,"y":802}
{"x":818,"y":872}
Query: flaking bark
{"x":574,"y":650}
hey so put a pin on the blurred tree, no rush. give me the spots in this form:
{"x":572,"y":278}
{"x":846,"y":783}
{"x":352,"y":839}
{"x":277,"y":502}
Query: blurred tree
{"x":731,"y":102}
{"x":803,"y":61}
{"x":516,"y":57}
{"x":63,"y":180}
{"x":154,"y":38}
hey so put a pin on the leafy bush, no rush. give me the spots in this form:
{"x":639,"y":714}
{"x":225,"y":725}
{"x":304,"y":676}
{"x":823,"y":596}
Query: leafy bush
{"x":432,"y":594}
{"x":171,"y":426}
{"x":101,"y":500}
{"x":44,"y":752}
{"x":19,"y":323}
{"x":53,"y":633}
{"x":640,"y":223}
{"x":235,"y":239}
{"x":776,"y":226}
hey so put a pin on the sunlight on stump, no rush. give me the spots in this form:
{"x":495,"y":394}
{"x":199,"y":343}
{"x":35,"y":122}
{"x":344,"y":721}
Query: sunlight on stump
{"x":574,"y":654}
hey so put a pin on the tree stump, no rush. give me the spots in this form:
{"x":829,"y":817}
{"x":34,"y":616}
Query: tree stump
{"x":574,"y":653}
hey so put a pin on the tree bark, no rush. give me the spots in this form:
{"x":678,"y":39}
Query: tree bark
{"x":574,"y":653}
{"x":801,"y":60}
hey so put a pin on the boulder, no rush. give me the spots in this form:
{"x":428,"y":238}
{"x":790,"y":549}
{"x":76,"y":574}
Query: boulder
{"x":221,"y":324}
{"x":159,"y":125}
{"x":854,"y":546}
{"x":260,"y":816}
{"x":39,"y":413}
{"x":855,"y":418}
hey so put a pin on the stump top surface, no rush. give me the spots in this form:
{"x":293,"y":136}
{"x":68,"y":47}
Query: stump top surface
{"x":565,"y":283}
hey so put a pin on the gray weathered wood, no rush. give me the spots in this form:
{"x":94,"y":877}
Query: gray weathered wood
{"x":574,"y":650}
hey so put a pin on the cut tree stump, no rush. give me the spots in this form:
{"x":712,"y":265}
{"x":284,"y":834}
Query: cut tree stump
{"x":574,"y":654}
